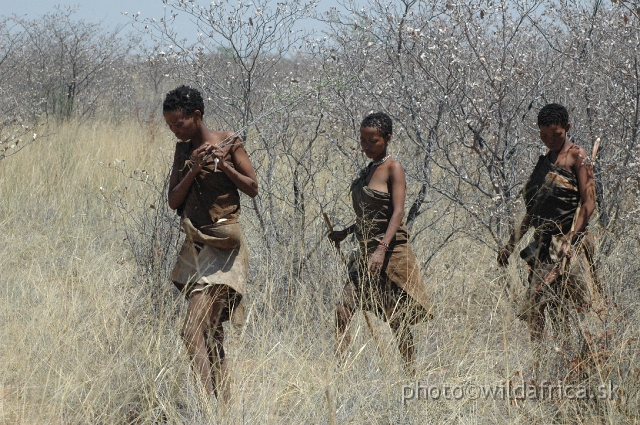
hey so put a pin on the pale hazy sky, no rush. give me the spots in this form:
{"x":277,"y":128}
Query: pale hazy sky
{"x":109,"y":12}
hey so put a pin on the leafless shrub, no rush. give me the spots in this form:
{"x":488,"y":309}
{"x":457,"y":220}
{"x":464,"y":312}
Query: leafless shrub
{"x":465,"y":82}
{"x":15,"y":131}
{"x":72,"y":64}
{"x":151,"y":228}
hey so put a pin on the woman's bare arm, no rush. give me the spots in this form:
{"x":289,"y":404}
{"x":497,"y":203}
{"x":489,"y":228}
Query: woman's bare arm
{"x":242,"y":173}
{"x":179,"y":189}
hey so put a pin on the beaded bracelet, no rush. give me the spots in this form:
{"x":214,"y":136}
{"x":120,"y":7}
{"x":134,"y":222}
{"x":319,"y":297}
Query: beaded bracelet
{"x":384,"y":245}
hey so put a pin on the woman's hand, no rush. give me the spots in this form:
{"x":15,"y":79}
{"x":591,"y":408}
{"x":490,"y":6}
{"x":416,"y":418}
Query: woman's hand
{"x":219,"y":154}
{"x":503,"y":255}
{"x":376,"y":259}
{"x":338,"y":235}
{"x":566,"y":250}
{"x":200,"y":155}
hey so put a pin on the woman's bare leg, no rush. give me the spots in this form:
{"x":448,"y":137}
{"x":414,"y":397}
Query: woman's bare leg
{"x":406,"y":346}
{"x":218,"y":361}
{"x":194,"y":330}
{"x":344,"y":312}
{"x":343,"y":318}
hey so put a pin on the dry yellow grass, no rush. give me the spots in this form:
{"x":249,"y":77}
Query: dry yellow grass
{"x":89,"y":336}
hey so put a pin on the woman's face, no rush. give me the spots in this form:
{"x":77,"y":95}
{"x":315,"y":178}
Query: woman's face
{"x":184,"y":126}
{"x":554,"y":136}
{"x":372,"y":143}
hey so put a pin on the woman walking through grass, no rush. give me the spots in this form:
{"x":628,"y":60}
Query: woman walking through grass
{"x":384,"y":278}
{"x":209,"y":169}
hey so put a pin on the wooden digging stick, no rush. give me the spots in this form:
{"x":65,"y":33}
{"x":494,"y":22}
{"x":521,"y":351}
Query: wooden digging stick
{"x":344,"y":261}
{"x":336,"y":243}
{"x":559,"y":270}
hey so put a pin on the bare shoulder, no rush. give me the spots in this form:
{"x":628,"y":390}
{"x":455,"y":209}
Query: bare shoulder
{"x":395,"y":166}
{"x":395,"y":170}
{"x":229,"y":135}
{"x":218,"y":136}
{"x":233,"y":140}
{"x":578,"y":155}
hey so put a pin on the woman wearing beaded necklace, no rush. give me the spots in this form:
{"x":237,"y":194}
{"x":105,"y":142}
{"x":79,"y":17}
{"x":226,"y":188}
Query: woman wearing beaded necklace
{"x":384,"y":277}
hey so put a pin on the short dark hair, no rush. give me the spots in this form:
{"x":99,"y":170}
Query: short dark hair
{"x":183,"y":98}
{"x":379,"y":120}
{"x":551,"y":114}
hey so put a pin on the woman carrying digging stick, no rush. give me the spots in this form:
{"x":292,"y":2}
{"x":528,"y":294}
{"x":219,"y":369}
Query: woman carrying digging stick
{"x":385,"y":277}
{"x":208,"y":170}
{"x":560,"y":197}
